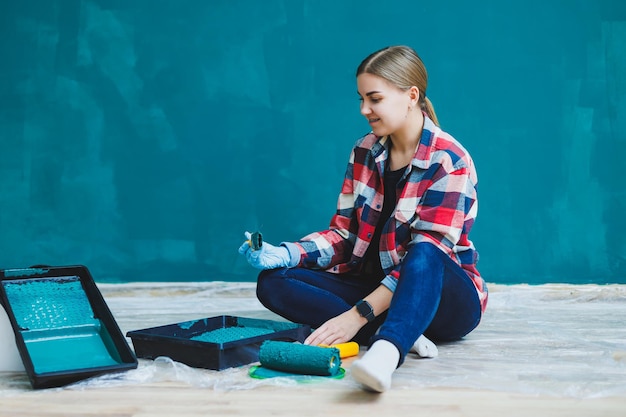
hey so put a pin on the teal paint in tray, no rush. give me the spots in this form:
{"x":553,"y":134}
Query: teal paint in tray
{"x":71,"y":348}
{"x":58,"y":324}
{"x":230,"y":334}
{"x":49,"y":303}
{"x":24,"y":272}
{"x":63,"y":327}
{"x":217,"y":343}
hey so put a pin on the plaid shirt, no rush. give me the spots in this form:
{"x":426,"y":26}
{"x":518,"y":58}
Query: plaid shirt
{"x":437,"y":204}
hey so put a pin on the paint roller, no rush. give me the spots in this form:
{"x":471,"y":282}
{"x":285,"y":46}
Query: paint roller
{"x":297,"y":358}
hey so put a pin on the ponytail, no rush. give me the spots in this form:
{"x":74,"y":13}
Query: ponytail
{"x":427,"y":106}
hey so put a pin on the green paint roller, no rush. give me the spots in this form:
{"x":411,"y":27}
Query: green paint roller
{"x":297,"y":358}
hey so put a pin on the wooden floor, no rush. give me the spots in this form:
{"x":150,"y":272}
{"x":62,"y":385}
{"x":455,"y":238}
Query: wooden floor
{"x":549,"y":351}
{"x":176,"y":399}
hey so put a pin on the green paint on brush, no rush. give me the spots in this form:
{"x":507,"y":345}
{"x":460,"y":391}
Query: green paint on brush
{"x":300,"y":359}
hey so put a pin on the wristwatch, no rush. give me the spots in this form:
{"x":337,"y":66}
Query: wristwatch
{"x":365,"y":310}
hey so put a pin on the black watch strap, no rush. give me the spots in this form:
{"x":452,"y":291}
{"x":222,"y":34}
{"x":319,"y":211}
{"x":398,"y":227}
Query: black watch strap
{"x":365,"y":310}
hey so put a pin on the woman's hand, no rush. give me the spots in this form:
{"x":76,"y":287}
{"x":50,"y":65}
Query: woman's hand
{"x":345,"y":326}
{"x":339,"y":329}
{"x":267,"y":256}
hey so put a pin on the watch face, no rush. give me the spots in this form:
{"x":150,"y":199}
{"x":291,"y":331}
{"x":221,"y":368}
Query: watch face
{"x":365,"y":310}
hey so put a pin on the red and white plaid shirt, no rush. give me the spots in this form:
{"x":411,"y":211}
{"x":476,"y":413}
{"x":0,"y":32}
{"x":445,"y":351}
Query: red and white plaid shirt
{"x":437,"y":204}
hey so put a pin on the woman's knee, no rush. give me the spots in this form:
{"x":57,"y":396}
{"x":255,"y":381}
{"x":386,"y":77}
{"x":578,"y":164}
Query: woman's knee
{"x":424,"y":255}
{"x":458,"y":309}
{"x":266,"y":285}
{"x":458,"y":312}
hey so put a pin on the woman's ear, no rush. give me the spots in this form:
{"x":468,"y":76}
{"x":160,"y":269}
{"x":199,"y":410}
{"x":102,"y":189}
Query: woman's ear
{"x":414,"y":95}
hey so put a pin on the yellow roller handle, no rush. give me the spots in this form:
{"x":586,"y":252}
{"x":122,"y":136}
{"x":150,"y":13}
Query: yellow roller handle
{"x":346,"y":349}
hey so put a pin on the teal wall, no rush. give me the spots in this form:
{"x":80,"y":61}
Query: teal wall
{"x":141,"y":138}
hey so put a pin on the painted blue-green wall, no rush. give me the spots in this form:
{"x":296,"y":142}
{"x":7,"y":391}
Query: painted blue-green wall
{"x":141,"y":138}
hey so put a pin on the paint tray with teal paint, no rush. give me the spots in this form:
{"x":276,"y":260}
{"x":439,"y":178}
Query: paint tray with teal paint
{"x":216,"y":343}
{"x":64,"y":330}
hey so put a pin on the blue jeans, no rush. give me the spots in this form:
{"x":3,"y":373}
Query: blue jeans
{"x":434,"y":297}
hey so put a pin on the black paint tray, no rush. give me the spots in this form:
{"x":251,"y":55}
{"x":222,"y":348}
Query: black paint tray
{"x":64,"y":330}
{"x":216,"y":342}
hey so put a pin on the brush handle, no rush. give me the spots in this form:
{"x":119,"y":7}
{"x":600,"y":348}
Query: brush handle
{"x":346,"y":350}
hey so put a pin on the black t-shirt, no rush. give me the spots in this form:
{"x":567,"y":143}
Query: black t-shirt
{"x":371,"y":261}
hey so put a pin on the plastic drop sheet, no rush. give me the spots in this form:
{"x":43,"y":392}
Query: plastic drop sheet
{"x":553,"y":339}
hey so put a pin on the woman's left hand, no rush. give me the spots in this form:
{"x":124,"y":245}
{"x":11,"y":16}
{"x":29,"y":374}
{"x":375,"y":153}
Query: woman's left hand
{"x":339,"y":329}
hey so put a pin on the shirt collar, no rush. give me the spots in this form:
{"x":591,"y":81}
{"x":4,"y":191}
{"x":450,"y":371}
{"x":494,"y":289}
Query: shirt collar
{"x":430,"y":131}
{"x":380,"y":149}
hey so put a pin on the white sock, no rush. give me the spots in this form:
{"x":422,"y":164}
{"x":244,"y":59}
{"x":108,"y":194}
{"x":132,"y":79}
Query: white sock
{"x":425,"y":348}
{"x":374,"y":369}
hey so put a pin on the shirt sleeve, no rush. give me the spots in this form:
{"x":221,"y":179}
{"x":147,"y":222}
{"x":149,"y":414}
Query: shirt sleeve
{"x":445,"y":209}
{"x":390,"y":282}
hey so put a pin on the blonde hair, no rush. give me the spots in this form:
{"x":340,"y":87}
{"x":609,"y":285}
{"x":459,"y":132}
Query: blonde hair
{"x":402,"y":67}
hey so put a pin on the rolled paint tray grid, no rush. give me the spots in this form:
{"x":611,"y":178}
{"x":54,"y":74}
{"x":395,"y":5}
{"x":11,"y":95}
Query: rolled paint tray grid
{"x":216,"y":343}
{"x":63,"y":329}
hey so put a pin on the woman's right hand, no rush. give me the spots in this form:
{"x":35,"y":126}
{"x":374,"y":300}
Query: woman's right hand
{"x":339,"y":329}
{"x":267,"y":256}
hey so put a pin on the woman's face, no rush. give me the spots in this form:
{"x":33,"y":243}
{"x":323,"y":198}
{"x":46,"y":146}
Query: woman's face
{"x":384,"y":105}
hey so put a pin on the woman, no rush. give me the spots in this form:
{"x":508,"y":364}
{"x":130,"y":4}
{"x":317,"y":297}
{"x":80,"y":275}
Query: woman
{"x":396,"y":265}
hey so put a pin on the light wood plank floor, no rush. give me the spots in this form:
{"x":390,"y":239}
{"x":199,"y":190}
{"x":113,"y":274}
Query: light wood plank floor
{"x":177,"y":399}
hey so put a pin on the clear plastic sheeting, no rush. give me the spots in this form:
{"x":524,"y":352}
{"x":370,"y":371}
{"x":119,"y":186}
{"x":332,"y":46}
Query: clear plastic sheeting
{"x":556,"y":340}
